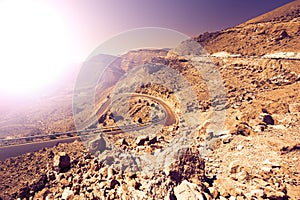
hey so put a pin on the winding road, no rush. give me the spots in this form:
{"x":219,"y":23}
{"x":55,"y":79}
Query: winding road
{"x":19,"y":149}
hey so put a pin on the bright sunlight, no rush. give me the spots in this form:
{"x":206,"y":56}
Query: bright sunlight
{"x":33,"y":46}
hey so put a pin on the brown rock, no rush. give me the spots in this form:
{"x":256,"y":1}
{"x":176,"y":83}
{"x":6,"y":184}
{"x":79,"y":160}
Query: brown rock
{"x":290,"y":148}
{"x":142,"y":139}
{"x":24,"y":192}
{"x":255,"y":193}
{"x":268,"y":119}
{"x":187,"y":190}
{"x":226,"y":188}
{"x":234,"y":167}
{"x":152,"y":140}
{"x":64,"y":182}
{"x":123,"y":142}
{"x":282,"y":36}
{"x":243,"y":176}
{"x":207,"y":196}
{"x":188,"y":167}
{"x":41,"y":194}
{"x":294,"y":108}
{"x":39,"y":184}
{"x":113,"y":183}
{"x":227,"y":139}
{"x":293,"y":191}
{"x":61,"y":162}
{"x":67,"y":194}
{"x":243,"y":129}
{"x":51,"y":176}
{"x":97,"y":145}
{"x":278,"y":195}
{"x":213,"y":192}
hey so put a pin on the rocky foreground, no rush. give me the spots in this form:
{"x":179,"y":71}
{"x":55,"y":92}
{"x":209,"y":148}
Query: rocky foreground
{"x":257,"y":155}
{"x":242,"y":164}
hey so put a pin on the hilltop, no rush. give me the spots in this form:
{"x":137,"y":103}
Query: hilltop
{"x":276,"y":31}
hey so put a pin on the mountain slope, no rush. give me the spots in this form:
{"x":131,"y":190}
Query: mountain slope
{"x":283,"y":13}
{"x":257,"y":155}
{"x":276,"y":31}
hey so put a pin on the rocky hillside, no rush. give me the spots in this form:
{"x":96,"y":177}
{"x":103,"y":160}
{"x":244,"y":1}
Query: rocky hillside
{"x":276,"y":31}
{"x":256,"y":156}
{"x":286,"y":13}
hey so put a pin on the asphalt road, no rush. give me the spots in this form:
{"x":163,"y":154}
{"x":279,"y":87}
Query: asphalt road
{"x":16,"y":150}
{"x":170,"y":115}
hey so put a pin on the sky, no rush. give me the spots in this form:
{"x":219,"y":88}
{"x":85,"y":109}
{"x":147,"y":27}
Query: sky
{"x":94,"y":21}
{"x":40,"y":39}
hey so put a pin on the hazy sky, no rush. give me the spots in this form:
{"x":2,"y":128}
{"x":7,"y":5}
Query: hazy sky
{"x":39,"y":39}
{"x":87,"y":23}
{"x":93,"y":21}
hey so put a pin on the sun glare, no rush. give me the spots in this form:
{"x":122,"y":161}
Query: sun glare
{"x":33,"y":46}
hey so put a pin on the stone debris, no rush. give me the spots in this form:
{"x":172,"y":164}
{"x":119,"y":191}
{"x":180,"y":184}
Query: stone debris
{"x":140,"y":141}
{"x":67,"y":194}
{"x":243,"y":129}
{"x":61,"y":162}
{"x":294,"y":108}
{"x":187,"y":190}
{"x":268,"y":119}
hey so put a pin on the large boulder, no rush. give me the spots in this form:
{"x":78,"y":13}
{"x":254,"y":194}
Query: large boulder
{"x":268,"y":119}
{"x":140,"y":140}
{"x":62,"y":162}
{"x":188,"y":191}
{"x":244,"y":129}
{"x":189,"y":166}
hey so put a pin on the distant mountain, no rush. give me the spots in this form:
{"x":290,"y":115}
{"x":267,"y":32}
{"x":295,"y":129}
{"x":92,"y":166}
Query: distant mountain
{"x":275,"y":31}
{"x":120,"y":65}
